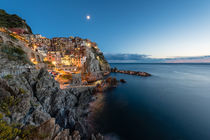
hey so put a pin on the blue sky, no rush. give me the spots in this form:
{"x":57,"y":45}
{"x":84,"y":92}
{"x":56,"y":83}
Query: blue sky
{"x":155,"y":28}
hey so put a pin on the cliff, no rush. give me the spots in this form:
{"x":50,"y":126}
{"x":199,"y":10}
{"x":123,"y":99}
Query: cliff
{"x":34,"y":99}
{"x":32,"y":104}
{"x":96,"y":65}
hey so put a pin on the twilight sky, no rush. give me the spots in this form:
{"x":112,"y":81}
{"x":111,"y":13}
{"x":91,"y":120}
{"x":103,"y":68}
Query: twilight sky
{"x":155,"y":28}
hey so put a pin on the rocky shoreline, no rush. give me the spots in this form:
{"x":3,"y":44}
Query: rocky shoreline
{"x":137,"y":73}
{"x":50,"y":112}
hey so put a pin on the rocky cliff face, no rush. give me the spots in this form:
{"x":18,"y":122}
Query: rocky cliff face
{"x":33,"y":98}
{"x":32,"y":104}
{"x":96,"y":65}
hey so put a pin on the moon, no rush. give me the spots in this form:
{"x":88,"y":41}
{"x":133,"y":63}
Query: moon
{"x":88,"y":17}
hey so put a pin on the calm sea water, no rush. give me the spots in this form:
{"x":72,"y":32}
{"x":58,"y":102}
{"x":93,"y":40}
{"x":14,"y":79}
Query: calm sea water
{"x":173,"y":104}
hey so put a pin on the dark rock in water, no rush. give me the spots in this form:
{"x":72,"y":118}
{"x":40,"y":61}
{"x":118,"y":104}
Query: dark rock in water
{"x":113,"y":69}
{"x":112,"y":81}
{"x":122,"y":81}
{"x":137,"y":73}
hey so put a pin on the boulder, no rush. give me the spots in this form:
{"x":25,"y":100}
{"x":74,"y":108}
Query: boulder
{"x":122,"y":81}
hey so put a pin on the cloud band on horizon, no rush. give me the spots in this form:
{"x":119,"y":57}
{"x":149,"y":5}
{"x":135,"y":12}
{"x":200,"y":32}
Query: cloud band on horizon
{"x":142,"y":58}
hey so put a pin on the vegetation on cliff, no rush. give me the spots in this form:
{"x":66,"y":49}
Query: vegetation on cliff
{"x":10,"y":100}
{"x":14,"y":53}
{"x":8,"y":131}
{"x":14,"y":130}
{"x":12,"y":21}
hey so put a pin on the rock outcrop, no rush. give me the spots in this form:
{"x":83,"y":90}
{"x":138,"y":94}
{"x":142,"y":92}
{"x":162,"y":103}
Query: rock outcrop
{"x":122,"y":81}
{"x":96,"y":65}
{"x":137,"y":73}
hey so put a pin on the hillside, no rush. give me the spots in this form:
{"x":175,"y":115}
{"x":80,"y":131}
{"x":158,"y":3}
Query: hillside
{"x":13,"y":21}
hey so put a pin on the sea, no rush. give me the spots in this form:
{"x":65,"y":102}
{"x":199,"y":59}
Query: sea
{"x":172,"y":104}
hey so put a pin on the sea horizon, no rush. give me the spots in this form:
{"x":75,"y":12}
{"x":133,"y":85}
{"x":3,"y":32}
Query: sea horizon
{"x":165,"y":106}
{"x":105,"y":70}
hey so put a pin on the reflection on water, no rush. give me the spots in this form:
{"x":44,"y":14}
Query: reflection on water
{"x":173,"y":104}
{"x":95,"y":107}
{"x":98,"y":104}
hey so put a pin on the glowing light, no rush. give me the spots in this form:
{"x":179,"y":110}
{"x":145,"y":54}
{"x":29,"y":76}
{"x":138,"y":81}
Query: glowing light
{"x":88,"y":44}
{"x":54,"y":63}
{"x":34,"y":61}
{"x":45,"y":59}
{"x":88,"y":17}
{"x":35,"y":47}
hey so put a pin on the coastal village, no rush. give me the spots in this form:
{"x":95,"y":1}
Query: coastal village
{"x":46,"y":85}
{"x":50,"y":88}
{"x":64,"y":57}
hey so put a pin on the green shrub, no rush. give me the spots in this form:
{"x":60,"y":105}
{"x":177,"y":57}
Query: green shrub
{"x":22,"y":91}
{"x":7,"y":103}
{"x":27,"y":132}
{"x":7,"y":131}
{"x":15,"y":53}
{"x":12,"y":50}
{"x":11,"y":131}
{"x":9,"y":76}
{"x":12,"y":21}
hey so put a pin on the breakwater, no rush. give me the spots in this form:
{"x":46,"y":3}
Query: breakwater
{"x":137,"y":73}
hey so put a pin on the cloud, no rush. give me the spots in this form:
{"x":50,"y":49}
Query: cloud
{"x":125,"y":56}
{"x":194,"y":59}
{"x":142,"y":58}
{"x":128,"y":58}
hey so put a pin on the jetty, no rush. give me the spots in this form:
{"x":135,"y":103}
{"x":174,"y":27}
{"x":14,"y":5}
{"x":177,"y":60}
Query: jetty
{"x":137,"y":73}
